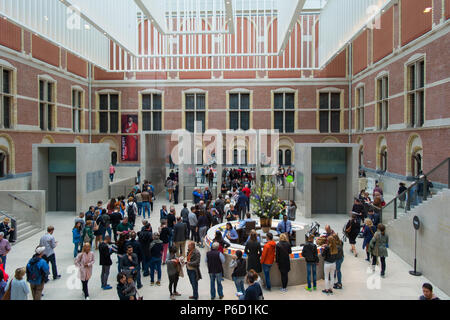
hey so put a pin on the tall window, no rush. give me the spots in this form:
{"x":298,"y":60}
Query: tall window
{"x":152,"y":112}
{"x":330,"y":112}
{"x":239,"y":111}
{"x":109,"y":113}
{"x":383,"y":102}
{"x":46,"y":104}
{"x":3,"y":164}
{"x":195,"y":111}
{"x":77,"y":109}
{"x":416,"y":94}
{"x":416,"y":164}
{"x":360,"y":109}
{"x":285,"y":157}
{"x":284,"y":112}
{"x":6,"y":98}
{"x":383,"y":159}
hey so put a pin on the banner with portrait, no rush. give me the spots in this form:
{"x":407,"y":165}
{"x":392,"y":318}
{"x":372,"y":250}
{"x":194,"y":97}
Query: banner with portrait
{"x":130,"y":138}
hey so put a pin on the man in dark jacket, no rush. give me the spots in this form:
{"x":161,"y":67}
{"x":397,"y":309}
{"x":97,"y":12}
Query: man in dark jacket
{"x":145,"y":239}
{"x":220,"y":206}
{"x":309,"y":252}
{"x":180,"y":235}
{"x":242,"y":204}
{"x":115,"y":219}
{"x":193,"y":268}
{"x":129,"y":262}
{"x":185,"y":214}
{"x":137,"y":249}
{"x":214,"y":260}
{"x":105,"y":261}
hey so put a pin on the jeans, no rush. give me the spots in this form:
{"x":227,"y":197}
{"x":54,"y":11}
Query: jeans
{"x":139,"y":207}
{"x":266,"y":269}
{"x":194,"y":234}
{"x":311,"y":268}
{"x":85,"y":288}
{"x":337,"y":273}
{"x":111,"y":176}
{"x":329,"y":269}
{"x":173,"y":282}
{"x":3,"y":261}
{"x":192,"y":274}
{"x":383,"y":263}
{"x":75,"y":249}
{"x":145,"y":206}
{"x":52,"y":259}
{"x":105,"y":275}
{"x":138,"y":275}
{"x":155,"y":264}
{"x":146,"y":266}
{"x":239,"y":283}
{"x":216,"y":277}
{"x":106,"y":230}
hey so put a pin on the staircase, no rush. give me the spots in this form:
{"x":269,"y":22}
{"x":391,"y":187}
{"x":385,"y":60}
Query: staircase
{"x":24,"y":230}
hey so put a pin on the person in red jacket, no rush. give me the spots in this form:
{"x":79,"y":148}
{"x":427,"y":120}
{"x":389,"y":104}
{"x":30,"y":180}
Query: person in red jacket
{"x":267,"y":259}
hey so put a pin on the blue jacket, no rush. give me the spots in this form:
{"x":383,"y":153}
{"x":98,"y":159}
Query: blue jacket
{"x":43,"y":268}
{"x":76,"y":236}
{"x":163,"y":215}
{"x":242,"y":200}
{"x":232,"y":232}
{"x":197,"y":196}
{"x":368,"y":235}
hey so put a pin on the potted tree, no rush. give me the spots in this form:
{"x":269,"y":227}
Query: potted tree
{"x":266,"y":204}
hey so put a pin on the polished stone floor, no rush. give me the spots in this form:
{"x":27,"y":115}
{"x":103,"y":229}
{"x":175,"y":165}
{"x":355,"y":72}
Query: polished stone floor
{"x":358,"y":281}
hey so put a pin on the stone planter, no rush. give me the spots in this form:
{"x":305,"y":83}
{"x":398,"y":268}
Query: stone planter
{"x":266,"y":224}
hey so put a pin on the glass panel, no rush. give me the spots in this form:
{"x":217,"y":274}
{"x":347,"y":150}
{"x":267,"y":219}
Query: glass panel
{"x":289,"y":101}
{"x":245,"y":101}
{"x":114,"y":122}
{"x":79,"y":121}
{"x":114,"y":102}
{"x":323,"y":103}
{"x":386,"y":114}
{"x":234,"y":120}
{"x":6,"y":81}
{"x":288,"y":157}
{"x":157,"y":121}
{"x":335,"y":100}
{"x":157,"y":102}
{"x":190,"y":118}
{"x":190,"y":101}
{"x":201,"y":118}
{"x":201,"y":102}
{"x":80,"y":99}
{"x":379,"y":89}
{"x":412,"y":109}
{"x":278,"y":124}
{"x":103,"y":102}
{"x":146,"y":102}
{"x":361,"y":119}
{"x":49,"y":117}
{"x":386,"y":87}
{"x":49,"y":92}
{"x":245,"y":120}
{"x":329,"y":160}
{"x":234,"y":101}
{"x":61,"y":160}
{"x":41,"y":115}
{"x":380,"y":115}
{"x":146,"y":121}
{"x":289,"y":121}
{"x":74,"y":98}
{"x":280,"y":157}
{"x":335,"y":121}
{"x":323,"y":122}
{"x":114,"y":158}
{"x":41,"y":90}
{"x":412,"y":77}
{"x":361,"y":97}
{"x":74,"y":120}
{"x":421,"y":74}
{"x":6,"y":112}
{"x":421,"y":108}
{"x":278,"y":100}
{"x":103,"y":122}
{"x":235,"y":157}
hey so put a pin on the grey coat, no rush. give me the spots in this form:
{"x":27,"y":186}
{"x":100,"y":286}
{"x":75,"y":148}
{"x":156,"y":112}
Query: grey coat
{"x":195,"y":263}
{"x":378,"y":245}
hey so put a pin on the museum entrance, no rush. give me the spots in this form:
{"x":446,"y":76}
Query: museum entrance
{"x":325,"y":191}
{"x":66,"y":193}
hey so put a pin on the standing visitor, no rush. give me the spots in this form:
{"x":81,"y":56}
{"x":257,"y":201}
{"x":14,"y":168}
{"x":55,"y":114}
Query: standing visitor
{"x":115,"y":219}
{"x":267,"y":259}
{"x":428,"y":294}
{"x":369,"y":232}
{"x":156,"y":248}
{"x":202,"y":227}
{"x":5,"y":248}
{"x":76,"y":238}
{"x":173,"y":272}
{"x":48,"y":241}
{"x":121,"y":287}
{"x":112,"y":171}
{"x":137,"y":249}
{"x":88,"y":233}
{"x":215,"y":259}
{"x":84,"y":261}
{"x":253,"y":252}
{"x":239,"y":271}
{"x":146,"y":199}
{"x":378,"y":248}
{"x":145,"y":239}
{"x":309,"y":252}
{"x":352,"y":229}
{"x":193,"y":225}
{"x":291,"y":210}
{"x":37,"y":273}
{"x":19,"y":287}
{"x":339,"y":261}
{"x":329,"y":254}
{"x":254,"y":291}
{"x":283,"y":251}
{"x":193,"y":268}
{"x":164,"y":236}
{"x":9,"y":232}
{"x":105,"y":252}
{"x":180,"y":235}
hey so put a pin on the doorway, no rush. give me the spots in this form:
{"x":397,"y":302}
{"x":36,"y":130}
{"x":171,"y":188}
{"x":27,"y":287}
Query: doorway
{"x":325,"y":194}
{"x":66,"y":193}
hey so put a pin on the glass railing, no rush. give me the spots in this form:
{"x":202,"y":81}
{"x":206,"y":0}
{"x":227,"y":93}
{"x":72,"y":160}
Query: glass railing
{"x":424,"y":187}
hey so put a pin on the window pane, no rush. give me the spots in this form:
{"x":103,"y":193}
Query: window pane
{"x":412,"y":109}
{"x":49,"y":92}
{"x":190,"y":101}
{"x":323,"y":121}
{"x":335,"y":121}
{"x":157,"y":121}
{"x":361,"y":119}
{"x":41,"y":90}
{"x":278,"y":100}
{"x":103,"y":122}
{"x":278,"y":125}
{"x":289,"y":121}
{"x":335,"y":101}
{"x":74,"y":98}
{"x":324,"y":101}
{"x":289,"y":103}
{"x":113,"y":122}
{"x":379,"y":89}
{"x":412,"y":77}
{"x":420,"y":110}
{"x":80,"y":99}
{"x":361,"y":97}
{"x":49,"y":117}
{"x":146,"y":102}
{"x":201,"y":102}
{"x":6,"y":112}
{"x":234,"y":120}
{"x":245,"y":101}
{"x":234,"y":101}
{"x":190,"y":118}
{"x":245,"y":120}
{"x":280,"y":157}
{"x":157,"y":102}
{"x":103,"y":102}
{"x":6,"y":81}
{"x":385,"y":114}
{"x":41,"y":115}
{"x":421,"y":74}
{"x":79,"y":121}
{"x":146,"y":121}
{"x":74,"y":120}
{"x":201,"y":118}
{"x":114,"y":103}
{"x":288,"y":157}
{"x":235,"y":157}
{"x":386,"y":87}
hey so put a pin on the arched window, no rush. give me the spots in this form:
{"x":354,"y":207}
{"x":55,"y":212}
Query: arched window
{"x":3,"y":164}
{"x":280,"y":157}
{"x":383,"y":159}
{"x":114,"y":158}
{"x":288,"y":157}
{"x":235,"y":157}
{"x":416,"y":164}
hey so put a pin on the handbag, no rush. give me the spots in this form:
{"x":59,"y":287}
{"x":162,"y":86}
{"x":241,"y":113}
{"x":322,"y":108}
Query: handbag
{"x":7,"y":295}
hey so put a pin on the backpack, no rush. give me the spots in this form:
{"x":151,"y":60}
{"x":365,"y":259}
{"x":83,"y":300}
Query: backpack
{"x":130,"y":211}
{"x":33,"y":271}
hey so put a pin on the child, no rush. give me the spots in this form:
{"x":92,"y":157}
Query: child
{"x":130,"y":287}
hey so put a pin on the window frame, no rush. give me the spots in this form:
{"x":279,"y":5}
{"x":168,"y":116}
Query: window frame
{"x":77,"y":126}
{"x":108,"y":111}
{"x":152,"y":111}
{"x":239,"y":110}
{"x":48,"y":105}
{"x":284,"y":110}
{"x":4,"y":95}
{"x":330,"y":110}
{"x":195,"y":110}
{"x":415,"y":118}
{"x":382,"y":97}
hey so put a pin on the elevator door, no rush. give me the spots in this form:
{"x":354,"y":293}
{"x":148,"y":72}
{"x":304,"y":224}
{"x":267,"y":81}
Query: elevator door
{"x":66,"y":193}
{"x":325,"y":195}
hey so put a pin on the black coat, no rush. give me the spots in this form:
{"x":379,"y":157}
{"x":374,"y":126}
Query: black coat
{"x":180,"y":232}
{"x":253,"y":251}
{"x":137,"y":249}
{"x":105,"y":254}
{"x":309,"y":252}
{"x":283,"y":250}
{"x":145,"y":238}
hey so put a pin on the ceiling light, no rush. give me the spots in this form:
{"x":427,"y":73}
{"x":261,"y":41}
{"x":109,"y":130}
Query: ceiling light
{"x":427,"y":10}
{"x":87,"y":27}
{"x":46,"y":18}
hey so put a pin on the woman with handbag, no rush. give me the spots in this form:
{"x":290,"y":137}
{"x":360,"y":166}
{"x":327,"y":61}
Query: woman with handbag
{"x":283,"y":251}
{"x":378,"y":248}
{"x":369,"y":232}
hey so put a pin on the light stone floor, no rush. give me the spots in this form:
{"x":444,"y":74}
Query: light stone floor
{"x":358,"y":282}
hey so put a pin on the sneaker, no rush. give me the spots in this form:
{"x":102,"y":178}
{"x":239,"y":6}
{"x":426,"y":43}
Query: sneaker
{"x":176,"y":294}
{"x":308,"y":289}
{"x":172,"y":297}
{"x":330,"y":291}
{"x":108,"y":287}
{"x":212,"y":298}
{"x":193,"y":298}
{"x":221,"y":297}
{"x":325,"y":291}
{"x":87,"y":298}
{"x":314,"y":288}
{"x":57,"y":277}
{"x":335,"y":286}
{"x":140,"y":286}
{"x":158,"y":283}
{"x":152,"y":284}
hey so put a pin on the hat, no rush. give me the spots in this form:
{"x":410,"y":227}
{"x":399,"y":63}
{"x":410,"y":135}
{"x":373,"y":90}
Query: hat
{"x":39,"y":250}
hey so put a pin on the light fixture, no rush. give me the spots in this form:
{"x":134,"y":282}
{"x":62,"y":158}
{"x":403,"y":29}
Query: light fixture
{"x":87,"y":27}
{"x":427,"y":10}
{"x":45,"y":18}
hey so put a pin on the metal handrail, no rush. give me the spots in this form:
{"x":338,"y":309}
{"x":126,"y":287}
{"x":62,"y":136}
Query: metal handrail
{"x":6,"y":215}
{"x":23,"y":201}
